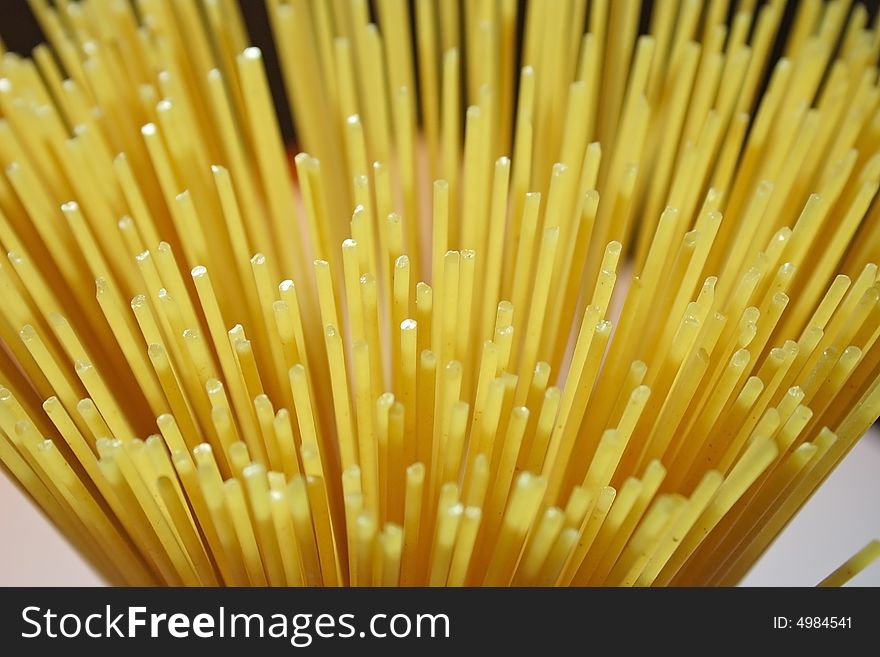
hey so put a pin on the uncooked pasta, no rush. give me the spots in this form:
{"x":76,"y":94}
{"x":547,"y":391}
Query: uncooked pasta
{"x":571,"y":305}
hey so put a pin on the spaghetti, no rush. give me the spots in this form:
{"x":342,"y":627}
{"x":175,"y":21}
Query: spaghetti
{"x":611,"y":324}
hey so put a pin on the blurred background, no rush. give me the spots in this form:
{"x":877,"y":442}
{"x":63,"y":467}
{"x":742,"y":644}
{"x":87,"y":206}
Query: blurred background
{"x":840,"y":519}
{"x":20,"y":32}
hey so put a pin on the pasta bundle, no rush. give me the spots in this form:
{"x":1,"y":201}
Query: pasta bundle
{"x":611,"y":324}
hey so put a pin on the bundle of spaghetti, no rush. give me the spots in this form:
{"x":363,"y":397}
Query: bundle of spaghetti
{"x":588,"y":307}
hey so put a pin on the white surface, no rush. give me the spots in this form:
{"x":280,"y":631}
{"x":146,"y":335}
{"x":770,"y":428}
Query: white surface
{"x":841,"y":518}
{"x":32,"y":552}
